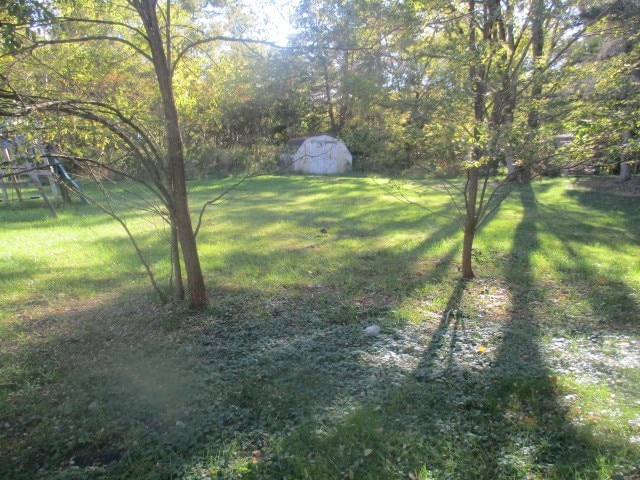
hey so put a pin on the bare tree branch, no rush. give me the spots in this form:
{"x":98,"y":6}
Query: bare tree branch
{"x":213,"y":201}
{"x":111,"y":212}
{"x":219,"y":38}
{"x":84,"y":39}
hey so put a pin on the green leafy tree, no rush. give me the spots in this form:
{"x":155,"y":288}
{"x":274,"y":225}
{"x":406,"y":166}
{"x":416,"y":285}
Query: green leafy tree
{"x":604,"y":88}
{"x":492,"y":60}
{"x":347,"y":52}
{"x":159,"y":38}
{"x":17,"y":17}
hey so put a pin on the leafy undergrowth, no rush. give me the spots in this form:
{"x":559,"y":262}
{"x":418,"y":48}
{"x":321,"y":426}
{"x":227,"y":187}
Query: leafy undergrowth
{"x":530,"y":372}
{"x":288,"y":391}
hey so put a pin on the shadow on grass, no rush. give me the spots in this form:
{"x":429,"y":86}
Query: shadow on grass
{"x":613,"y":302}
{"x":59,"y":268}
{"x":78,"y":388}
{"x":288,"y":384}
{"x":105,"y":383}
{"x":481,"y":403}
{"x":534,"y":432}
{"x":601,"y":198}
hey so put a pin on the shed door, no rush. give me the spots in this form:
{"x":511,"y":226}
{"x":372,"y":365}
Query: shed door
{"x":330,"y":161}
{"x":322,"y":158}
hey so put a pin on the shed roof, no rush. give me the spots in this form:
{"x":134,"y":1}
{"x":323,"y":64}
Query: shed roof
{"x":296,"y":142}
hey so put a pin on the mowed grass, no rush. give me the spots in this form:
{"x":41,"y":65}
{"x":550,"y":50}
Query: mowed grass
{"x":530,"y":371}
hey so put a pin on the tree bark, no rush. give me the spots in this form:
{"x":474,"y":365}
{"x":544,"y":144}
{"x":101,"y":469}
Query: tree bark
{"x":179,"y":207}
{"x":625,"y":164}
{"x":470,"y":223}
{"x":537,"y":50}
{"x":178,"y":285}
{"x":504,"y":101}
{"x":329,"y":97}
{"x":512,"y":168}
{"x":476,"y":77}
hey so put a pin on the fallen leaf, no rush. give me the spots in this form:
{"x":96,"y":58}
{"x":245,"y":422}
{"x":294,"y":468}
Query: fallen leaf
{"x":367,"y":452}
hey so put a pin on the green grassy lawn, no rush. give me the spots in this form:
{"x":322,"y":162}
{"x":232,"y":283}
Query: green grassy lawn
{"x":530,"y":371}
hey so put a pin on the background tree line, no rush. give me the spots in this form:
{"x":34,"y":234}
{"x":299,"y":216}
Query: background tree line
{"x":391,"y":79}
{"x":393,"y":82}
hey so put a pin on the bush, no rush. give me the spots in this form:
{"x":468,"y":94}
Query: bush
{"x":260,"y":157}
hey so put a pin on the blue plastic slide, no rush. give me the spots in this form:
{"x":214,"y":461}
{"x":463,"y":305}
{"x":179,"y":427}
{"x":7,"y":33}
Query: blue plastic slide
{"x":59,"y":169}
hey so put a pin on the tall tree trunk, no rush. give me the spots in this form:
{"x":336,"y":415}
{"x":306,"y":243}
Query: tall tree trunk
{"x":504,"y":102}
{"x":180,"y":214}
{"x":470,"y":223}
{"x":343,"y":111}
{"x":329,"y":96}
{"x":476,"y":76}
{"x":537,"y":49}
{"x":512,"y":168}
{"x":178,"y":285}
{"x":625,"y":164}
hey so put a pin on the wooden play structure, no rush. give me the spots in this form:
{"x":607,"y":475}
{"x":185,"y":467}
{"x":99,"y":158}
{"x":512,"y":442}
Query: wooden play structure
{"x":32,"y":177}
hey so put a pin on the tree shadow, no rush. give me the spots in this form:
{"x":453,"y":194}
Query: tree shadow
{"x":612,"y":303}
{"x":524,"y":403}
{"x":52,"y":274}
{"x":254,"y":365}
{"x":602,"y":198}
{"x":481,"y":402}
{"x":78,"y":387}
{"x":506,"y":397}
{"x":265,"y":384}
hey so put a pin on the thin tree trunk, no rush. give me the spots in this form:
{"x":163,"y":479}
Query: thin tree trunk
{"x":537,"y":50}
{"x":504,"y":102}
{"x":180,"y":214}
{"x":476,"y":74}
{"x":329,"y":97}
{"x":625,"y":164}
{"x":343,"y":111}
{"x":512,"y":168}
{"x":470,"y":223}
{"x":178,"y":286}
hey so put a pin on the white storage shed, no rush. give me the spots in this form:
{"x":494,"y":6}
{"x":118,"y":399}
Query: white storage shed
{"x":320,"y":155}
